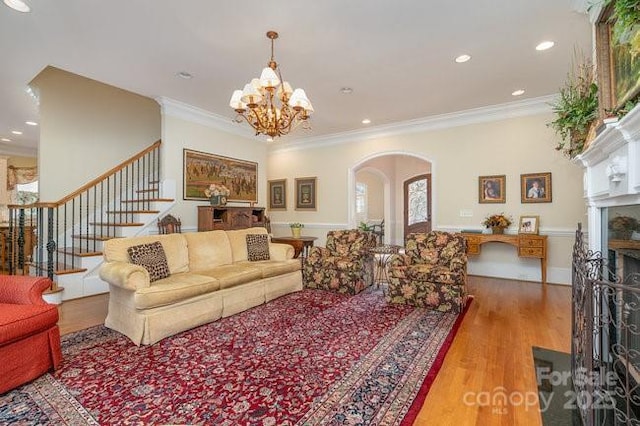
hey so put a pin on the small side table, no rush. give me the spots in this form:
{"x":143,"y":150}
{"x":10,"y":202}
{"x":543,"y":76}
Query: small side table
{"x":301,"y":245}
{"x":384,"y":253}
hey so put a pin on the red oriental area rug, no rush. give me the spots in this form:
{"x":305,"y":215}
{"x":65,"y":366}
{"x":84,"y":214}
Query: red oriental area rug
{"x":311,"y":358}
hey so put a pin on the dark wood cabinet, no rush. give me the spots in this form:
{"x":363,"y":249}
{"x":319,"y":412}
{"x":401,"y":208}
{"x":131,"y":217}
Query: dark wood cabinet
{"x":210,"y":218}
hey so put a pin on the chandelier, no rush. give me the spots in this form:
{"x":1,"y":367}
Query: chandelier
{"x":269,"y":104}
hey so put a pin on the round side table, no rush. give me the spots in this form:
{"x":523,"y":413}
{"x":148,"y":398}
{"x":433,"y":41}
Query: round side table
{"x":383,"y":254}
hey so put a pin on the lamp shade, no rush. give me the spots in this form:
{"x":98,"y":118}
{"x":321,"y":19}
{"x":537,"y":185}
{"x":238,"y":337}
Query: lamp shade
{"x":250,"y":95}
{"x":299,"y":99}
{"x":285,"y":90}
{"x":268,"y":78}
{"x":236,"y":100}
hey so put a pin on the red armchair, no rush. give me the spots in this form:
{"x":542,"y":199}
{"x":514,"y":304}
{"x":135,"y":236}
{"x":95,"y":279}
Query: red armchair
{"x":29,"y":334}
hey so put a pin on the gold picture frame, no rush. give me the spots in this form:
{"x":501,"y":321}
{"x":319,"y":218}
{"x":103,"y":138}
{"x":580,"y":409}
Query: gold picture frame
{"x":618,"y":63}
{"x":306,"y":193}
{"x":492,"y":189}
{"x":201,"y":169}
{"x":529,"y":224}
{"x":278,"y":194}
{"x":535,"y":188}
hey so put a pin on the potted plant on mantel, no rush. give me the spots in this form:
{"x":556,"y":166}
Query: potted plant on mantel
{"x":576,"y":108}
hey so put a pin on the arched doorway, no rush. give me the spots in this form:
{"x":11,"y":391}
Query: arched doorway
{"x":394,"y":168}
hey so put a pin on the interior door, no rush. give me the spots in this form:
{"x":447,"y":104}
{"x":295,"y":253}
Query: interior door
{"x":417,"y":204}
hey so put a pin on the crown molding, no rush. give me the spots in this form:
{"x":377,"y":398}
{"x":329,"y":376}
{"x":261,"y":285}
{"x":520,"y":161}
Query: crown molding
{"x":18,"y":151}
{"x":534,"y":106}
{"x":193,"y":114}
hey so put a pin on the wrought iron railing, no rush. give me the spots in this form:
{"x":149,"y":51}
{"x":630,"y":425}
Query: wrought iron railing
{"x":48,"y":238}
{"x":605,"y":339}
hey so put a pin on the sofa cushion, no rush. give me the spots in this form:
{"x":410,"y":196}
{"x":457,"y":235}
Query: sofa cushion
{"x":233,"y":275}
{"x":238,"y":241}
{"x":174,"y":288}
{"x":208,"y":249}
{"x":272,"y":268}
{"x":257,"y":247}
{"x":152,"y":258}
{"x":19,"y":321}
{"x":174,"y":245}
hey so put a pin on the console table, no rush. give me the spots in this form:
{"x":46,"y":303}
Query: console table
{"x":528,"y":245}
{"x":300,"y":245}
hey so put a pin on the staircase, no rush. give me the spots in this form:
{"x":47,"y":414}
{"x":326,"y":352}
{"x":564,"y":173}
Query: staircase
{"x":69,"y":234}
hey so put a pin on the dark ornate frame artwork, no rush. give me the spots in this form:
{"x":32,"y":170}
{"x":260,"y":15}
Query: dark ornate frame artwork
{"x":492,"y":189}
{"x":306,"y":193}
{"x":618,"y":68}
{"x":201,"y":169}
{"x":278,"y":194}
{"x":530,"y":194}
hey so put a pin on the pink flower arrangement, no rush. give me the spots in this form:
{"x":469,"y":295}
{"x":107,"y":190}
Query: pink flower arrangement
{"x":216,"y":189}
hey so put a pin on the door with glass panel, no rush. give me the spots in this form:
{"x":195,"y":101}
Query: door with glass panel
{"x":417,"y":204}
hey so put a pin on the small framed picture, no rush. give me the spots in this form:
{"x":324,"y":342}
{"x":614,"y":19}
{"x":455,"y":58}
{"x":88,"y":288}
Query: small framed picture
{"x":306,"y":193}
{"x":492,"y":189}
{"x":529,"y":224}
{"x":278,"y":194}
{"x":535,"y":187}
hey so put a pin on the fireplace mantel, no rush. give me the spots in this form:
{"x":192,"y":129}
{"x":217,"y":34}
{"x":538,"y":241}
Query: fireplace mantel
{"x":611,"y":170}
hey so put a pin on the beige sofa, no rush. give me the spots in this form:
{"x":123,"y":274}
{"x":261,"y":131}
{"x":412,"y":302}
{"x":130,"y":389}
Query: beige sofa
{"x":210,"y":277}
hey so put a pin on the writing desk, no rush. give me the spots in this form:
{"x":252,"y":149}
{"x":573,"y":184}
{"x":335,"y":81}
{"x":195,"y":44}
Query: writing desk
{"x":528,"y":245}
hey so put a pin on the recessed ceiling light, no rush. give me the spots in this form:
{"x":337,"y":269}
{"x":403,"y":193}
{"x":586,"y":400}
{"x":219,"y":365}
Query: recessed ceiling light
{"x":366,"y":121}
{"x":517,"y":92}
{"x":31,"y":123}
{"x":463,"y":58}
{"x":5,"y":140}
{"x":545,"y":45}
{"x":18,"y":5}
{"x":16,"y":132}
{"x":185,"y":75}
{"x":346,"y":90}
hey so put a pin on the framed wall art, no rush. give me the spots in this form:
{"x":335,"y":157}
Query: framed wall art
{"x":202,"y":170}
{"x":618,"y":61}
{"x":535,"y":187}
{"x":278,"y":194}
{"x":492,"y":189}
{"x":306,"y":193}
{"x":529,"y":224}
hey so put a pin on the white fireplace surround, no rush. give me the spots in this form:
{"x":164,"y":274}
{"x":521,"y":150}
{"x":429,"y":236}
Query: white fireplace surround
{"x":612,"y":171}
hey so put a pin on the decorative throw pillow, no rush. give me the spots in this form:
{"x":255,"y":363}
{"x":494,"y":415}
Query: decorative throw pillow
{"x":257,"y":247}
{"x":152,"y":258}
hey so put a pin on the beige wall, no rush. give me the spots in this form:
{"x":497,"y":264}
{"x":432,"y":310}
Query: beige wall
{"x":87,"y":128}
{"x":375,"y":194}
{"x":458,"y":156}
{"x":178,"y":133}
{"x":17,"y":161}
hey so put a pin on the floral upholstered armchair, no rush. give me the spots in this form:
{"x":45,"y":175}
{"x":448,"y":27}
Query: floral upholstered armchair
{"x":431,"y":273}
{"x":345,"y":265}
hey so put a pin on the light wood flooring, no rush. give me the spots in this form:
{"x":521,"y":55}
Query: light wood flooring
{"x":491,"y":352}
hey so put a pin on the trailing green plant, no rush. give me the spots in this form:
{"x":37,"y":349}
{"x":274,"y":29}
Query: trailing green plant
{"x":576,"y":108}
{"x":363,"y":226}
{"x":624,"y":109}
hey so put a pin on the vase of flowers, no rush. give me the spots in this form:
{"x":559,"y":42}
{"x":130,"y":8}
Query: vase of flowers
{"x":296,"y":229}
{"x":497,"y":223}
{"x":217,"y":194}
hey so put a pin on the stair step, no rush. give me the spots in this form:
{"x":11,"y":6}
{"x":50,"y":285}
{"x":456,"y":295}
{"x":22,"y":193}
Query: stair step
{"x":95,"y":237}
{"x":148,"y":200}
{"x":133,"y":211}
{"x":58,"y":269}
{"x":106,"y":224}
{"x":80,"y":252}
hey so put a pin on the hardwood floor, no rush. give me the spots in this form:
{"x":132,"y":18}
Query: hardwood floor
{"x":491,"y":352}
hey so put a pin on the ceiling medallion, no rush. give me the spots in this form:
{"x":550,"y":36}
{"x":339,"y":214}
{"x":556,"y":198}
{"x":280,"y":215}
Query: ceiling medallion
{"x":269,"y":104}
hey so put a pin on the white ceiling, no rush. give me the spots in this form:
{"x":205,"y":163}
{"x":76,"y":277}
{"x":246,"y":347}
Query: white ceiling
{"x":398,"y":56}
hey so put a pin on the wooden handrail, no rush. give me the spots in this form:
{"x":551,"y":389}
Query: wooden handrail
{"x":116,"y":169}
